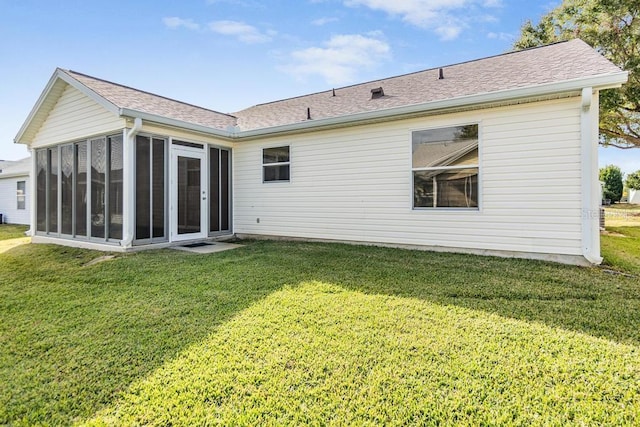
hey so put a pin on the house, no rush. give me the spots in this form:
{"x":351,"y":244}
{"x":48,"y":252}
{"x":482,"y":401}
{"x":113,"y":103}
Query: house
{"x":15,"y":195}
{"x":634,"y":197}
{"x":493,"y":156}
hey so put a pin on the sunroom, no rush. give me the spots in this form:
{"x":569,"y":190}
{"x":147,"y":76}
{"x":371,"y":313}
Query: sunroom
{"x":143,"y":183}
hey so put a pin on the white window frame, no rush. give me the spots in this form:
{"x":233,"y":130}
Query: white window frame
{"x":275,"y":164}
{"x":444,"y":168}
{"x":21,"y":195}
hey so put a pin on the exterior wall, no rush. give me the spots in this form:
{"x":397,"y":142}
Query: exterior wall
{"x":9,"y":203}
{"x":75,"y":116}
{"x":181,"y":134}
{"x":634,"y":197}
{"x":355,"y":184}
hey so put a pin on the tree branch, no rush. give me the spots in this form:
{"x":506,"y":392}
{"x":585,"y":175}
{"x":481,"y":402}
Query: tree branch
{"x":622,"y":147}
{"x":631,"y":140}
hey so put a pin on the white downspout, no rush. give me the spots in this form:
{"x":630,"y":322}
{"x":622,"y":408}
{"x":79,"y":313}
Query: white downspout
{"x":589,"y":161}
{"x":128,"y":191}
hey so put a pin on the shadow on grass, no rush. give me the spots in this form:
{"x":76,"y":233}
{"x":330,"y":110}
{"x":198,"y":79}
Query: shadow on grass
{"x":72,"y":338}
{"x":585,"y":300}
{"x":317,"y":353}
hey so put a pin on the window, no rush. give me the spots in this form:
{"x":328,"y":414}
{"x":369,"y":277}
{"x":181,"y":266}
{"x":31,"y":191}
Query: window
{"x":52,"y":184}
{"x":66,"y":184}
{"x":116,"y":187}
{"x":275,"y":164}
{"x":445,"y":167}
{"x":98,"y":186}
{"x":20,"y":194}
{"x":219,"y":189}
{"x":151,"y":189}
{"x":41,"y":190}
{"x":79,"y":189}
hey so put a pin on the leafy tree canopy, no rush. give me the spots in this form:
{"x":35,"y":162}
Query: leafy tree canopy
{"x":612,"y":178}
{"x":633,"y":180}
{"x":613,"y":28}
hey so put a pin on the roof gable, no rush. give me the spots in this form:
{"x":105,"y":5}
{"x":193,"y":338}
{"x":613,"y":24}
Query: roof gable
{"x":120,"y":101}
{"x":48,"y":99}
{"x":133,"y":100}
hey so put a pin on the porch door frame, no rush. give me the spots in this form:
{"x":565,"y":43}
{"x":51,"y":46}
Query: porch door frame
{"x":191,"y":153}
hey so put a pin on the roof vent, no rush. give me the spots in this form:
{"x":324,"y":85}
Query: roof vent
{"x":308,"y":113}
{"x":440,"y":74}
{"x":334,"y":92}
{"x":377,"y":93}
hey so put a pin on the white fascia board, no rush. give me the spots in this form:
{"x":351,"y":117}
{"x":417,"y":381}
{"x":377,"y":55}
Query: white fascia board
{"x":155,"y":118}
{"x":605,"y":81}
{"x":36,"y":107}
{"x":60,"y":74}
{"x":14,"y":175}
{"x":100,"y":100}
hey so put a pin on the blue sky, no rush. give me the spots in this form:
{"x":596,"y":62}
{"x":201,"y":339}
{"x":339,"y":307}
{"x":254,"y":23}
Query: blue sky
{"x":231,"y":54}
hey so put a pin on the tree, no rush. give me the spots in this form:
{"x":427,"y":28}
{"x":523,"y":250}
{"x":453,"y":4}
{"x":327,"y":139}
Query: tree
{"x":633,"y":180}
{"x":613,"y":28}
{"x":612,"y":178}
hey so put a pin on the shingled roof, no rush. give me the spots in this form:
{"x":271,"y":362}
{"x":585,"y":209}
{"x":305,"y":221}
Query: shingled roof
{"x":133,"y":99}
{"x":555,"y":68}
{"x":20,"y":167}
{"x":537,"y":66}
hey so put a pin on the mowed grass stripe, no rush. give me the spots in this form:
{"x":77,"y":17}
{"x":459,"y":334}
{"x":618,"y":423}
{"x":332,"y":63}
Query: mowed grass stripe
{"x":621,"y":249}
{"x":75,"y":340}
{"x":319,"y":354}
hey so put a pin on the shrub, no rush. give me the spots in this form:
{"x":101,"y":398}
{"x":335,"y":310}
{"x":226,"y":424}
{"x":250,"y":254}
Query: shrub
{"x":612,"y":178}
{"x":633,"y":180}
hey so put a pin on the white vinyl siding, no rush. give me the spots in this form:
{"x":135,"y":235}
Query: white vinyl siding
{"x":355,"y":184}
{"x":8,"y":203}
{"x":76,"y":116}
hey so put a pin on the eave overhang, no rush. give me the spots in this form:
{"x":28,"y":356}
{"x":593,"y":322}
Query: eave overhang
{"x":600,"y":82}
{"x":513,"y":95}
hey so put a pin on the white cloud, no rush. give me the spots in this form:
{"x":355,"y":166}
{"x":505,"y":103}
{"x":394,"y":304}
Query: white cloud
{"x":507,"y":37}
{"x":447,"y":18}
{"x":449,"y":31}
{"x":323,"y":21}
{"x":174,"y":22}
{"x":244,"y":32}
{"x":340,"y":59}
{"x":241,"y":3}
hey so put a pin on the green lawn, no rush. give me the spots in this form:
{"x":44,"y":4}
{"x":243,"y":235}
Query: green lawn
{"x":621,"y":248}
{"x":298,"y":333}
{"x":620,"y":245}
{"x":12,"y":231}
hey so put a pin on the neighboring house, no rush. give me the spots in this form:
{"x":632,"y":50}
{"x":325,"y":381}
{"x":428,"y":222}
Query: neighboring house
{"x":15,"y":195}
{"x":634,"y":197}
{"x":493,"y":156}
